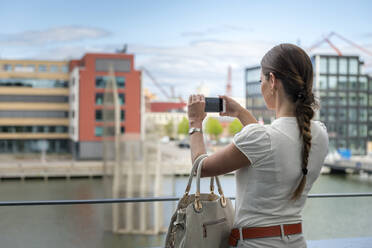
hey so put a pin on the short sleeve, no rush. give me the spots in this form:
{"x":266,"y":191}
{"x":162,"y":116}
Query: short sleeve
{"x":254,"y":142}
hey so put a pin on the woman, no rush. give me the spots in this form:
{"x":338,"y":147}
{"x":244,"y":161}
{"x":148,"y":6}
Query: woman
{"x":276,"y":165}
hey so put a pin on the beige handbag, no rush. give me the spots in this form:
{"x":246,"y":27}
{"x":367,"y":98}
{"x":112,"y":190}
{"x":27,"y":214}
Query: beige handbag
{"x":201,"y":220}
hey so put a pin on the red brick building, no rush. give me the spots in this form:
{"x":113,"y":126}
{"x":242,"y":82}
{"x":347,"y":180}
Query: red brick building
{"x":167,"y":106}
{"x":88,"y":77}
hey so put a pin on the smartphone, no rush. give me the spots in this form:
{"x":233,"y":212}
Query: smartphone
{"x":214,"y":104}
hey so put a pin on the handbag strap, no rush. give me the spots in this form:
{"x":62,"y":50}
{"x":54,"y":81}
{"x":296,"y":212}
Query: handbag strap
{"x":193,"y":171}
{"x":197,"y":194}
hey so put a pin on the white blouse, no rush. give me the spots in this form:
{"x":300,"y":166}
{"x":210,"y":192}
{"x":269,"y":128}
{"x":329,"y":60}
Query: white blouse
{"x":264,"y":189}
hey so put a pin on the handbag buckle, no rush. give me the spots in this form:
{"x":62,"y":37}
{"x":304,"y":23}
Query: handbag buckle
{"x":197,"y":204}
{"x":223,"y":201}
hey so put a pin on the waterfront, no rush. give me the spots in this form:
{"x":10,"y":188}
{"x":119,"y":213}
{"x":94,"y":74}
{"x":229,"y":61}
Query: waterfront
{"x":88,"y":226}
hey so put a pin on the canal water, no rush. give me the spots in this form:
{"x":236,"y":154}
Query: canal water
{"x":86,"y":225}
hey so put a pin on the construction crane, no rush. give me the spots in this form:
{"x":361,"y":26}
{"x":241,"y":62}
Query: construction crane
{"x":162,"y":90}
{"x":229,"y":84}
{"x":160,"y":87}
{"x":327,"y":39}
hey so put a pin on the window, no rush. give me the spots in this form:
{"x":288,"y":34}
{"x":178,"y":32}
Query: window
{"x":29,"y":68}
{"x":99,"y":98}
{"x":40,"y":129}
{"x":342,"y":114}
{"x":342,"y":98}
{"x":342,"y":82}
{"x":331,"y":114}
{"x":98,"y":131}
{"x":352,"y":115}
{"x":61,"y":129}
{"x":363,"y":115}
{"x":342,"y":130}
{"x":370,"y":129}
{"x":253,"y":75}
{"x":323,"y":65}
{"x":121,"y":99}
{"x":42,"y":68}
{"x":370,"y":100}
{"x":342,"y":143}
{"x":363,"y":130}
{"x":353,"y":83}
{"x":323,"y":114}
{"x":342,"y":65}
{"x":253,"y":89}
{"x":54,"y":68}
{"x":353,"y":99}
{"x":101,"y":82}
{"x":33,"y":83}
{"x":353,"y":130}
{"x":120,"y":81}
{"x":18,"y":68}
{"x":122,"y":129}
{"x":121,"y":65}
{"x":122,"y":115}
{"x":332,"y":99}
{"x":363,"y":99}
{"x":64,"y":69}
{"x":323,"y":82}
{"x":8,"y":67}
{"x":333,"y":65}
{"x":353,"y":66}
{"x":99,"y":116}
{"x":370,"y":114}
{"x":363,"y":83}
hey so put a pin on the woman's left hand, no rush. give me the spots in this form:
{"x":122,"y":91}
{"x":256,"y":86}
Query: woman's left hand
{"x":195,"y":110}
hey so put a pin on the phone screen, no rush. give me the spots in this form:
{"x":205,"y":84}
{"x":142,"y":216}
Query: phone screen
{"x":213,"y":104}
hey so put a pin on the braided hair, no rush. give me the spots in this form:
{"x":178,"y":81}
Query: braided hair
{"x":293,"y":67}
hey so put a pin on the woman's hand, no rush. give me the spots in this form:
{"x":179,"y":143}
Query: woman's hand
{"x":195,"y":110}
{"x":233,"y":108}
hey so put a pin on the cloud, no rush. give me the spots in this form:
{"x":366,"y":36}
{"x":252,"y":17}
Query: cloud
{"x":52,"y":35}
{"x":187,"y":66}
{"x":215,"y":30}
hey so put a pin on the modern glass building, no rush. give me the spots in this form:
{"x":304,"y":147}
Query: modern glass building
{"x":345,"y":96}
{"x":34,"y":106}
{"x":254,"y":100}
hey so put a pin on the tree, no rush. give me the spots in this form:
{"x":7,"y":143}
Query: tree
{"x":235,"y":126}
{"x":169,"y":128}
{"x":213,"y":127}
{"x":183,"y":126}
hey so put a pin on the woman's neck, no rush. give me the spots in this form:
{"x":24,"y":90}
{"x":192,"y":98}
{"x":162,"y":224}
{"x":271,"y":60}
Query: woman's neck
{"x":284,"y":108}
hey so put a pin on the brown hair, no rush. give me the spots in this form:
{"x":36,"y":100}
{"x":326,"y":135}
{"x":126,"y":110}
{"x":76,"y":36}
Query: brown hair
{"x":293,"y":67}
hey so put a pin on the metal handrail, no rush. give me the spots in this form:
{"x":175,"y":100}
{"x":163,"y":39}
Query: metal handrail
{"x":149,"y":199}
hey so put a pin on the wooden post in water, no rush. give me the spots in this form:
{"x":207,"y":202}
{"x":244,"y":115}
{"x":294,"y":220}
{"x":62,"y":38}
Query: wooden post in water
{"x":157,"y":191}
{"x":143,"y":192}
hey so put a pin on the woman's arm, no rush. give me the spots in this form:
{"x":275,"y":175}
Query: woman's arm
{"x":226,"y":160}
{"x":234,"y":109}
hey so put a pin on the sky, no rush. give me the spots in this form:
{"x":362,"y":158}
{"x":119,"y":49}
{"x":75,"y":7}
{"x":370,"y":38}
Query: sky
{"x":183,"y":44}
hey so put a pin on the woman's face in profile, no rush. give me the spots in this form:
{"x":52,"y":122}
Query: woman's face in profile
{"x":267,"y":93}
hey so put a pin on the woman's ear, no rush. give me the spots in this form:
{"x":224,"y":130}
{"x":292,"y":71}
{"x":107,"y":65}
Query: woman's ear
{"x":273,"y":81}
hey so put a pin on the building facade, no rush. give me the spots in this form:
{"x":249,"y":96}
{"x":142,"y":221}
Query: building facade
{"x":88,"y":80}
{"x":345,"y":97}
{"x":34,"y":106}
{"x":254,"y":100}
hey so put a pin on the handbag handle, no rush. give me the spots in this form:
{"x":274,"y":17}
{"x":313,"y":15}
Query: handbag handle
{"x":193,"y":172}
{"x":197,"y":203}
